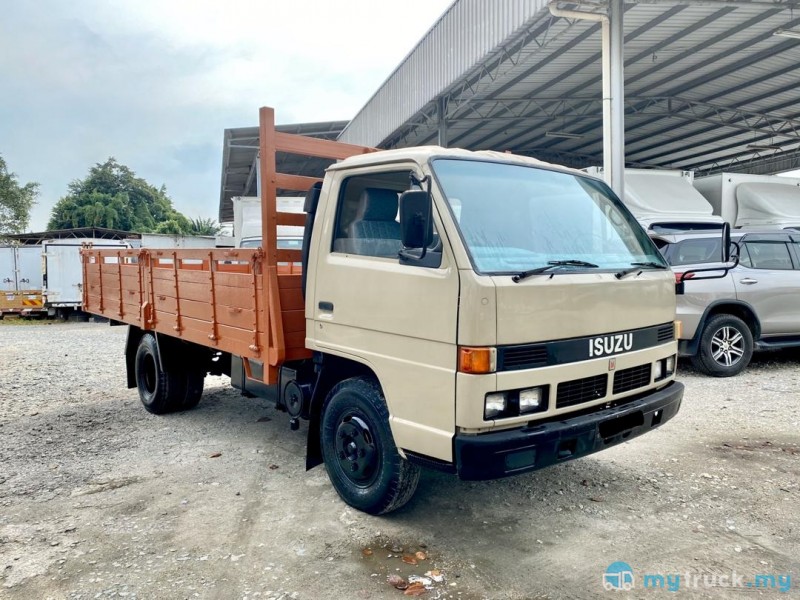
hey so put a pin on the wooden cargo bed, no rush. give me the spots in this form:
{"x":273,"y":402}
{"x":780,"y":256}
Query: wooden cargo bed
{"x":247,"y":302}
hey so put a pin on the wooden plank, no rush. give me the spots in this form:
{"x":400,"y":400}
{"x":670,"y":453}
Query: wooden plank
{"x":299,"y":183}
{"x":233,"y":316}
{"x":294,"y":320}
{"x":308,"y":146}
{"x":241,"y":280}
{"x":293,"y":219}
{"x":296,"y":339}
{"x":292,"y":299}
{"x":290,"y":281}
{"x":290,"y":256}
{"x":201,"y":292}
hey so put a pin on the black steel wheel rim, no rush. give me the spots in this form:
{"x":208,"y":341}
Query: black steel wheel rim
{"x":357,"y":452}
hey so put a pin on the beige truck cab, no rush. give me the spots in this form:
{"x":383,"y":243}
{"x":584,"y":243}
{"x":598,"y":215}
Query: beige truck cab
{"x":479,"y":313}
{"x":531,"y":321}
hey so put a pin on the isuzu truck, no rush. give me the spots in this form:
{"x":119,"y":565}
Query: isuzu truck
{"x":479,"y":313}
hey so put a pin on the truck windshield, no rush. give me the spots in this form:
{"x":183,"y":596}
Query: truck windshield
{"x":516,"y":217}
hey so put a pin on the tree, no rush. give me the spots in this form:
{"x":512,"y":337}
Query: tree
{"x":112,"y":196}
{"x":201,"y":226}
{"x":15,"y":201}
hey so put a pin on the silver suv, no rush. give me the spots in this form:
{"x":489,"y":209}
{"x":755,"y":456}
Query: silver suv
{"x":756,"y":305}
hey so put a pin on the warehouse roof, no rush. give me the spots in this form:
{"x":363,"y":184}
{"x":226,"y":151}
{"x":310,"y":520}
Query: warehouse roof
{"x":240,"y":164}
{"x":709,"y":85}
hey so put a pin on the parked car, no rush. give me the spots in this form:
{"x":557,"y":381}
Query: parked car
{"x":752,"y":307}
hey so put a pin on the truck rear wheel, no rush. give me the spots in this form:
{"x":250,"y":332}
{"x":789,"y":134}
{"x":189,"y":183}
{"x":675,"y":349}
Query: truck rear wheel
{"x":161,"y":391}
{"x":726,"y":346}
{"x":359,"y":452}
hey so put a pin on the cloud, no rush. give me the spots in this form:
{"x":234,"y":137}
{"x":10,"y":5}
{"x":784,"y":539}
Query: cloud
{"x":154,"y":83}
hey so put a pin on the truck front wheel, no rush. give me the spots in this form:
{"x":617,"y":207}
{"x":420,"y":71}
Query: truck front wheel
{"x":359,"y":452}
{"x":161,"y":391}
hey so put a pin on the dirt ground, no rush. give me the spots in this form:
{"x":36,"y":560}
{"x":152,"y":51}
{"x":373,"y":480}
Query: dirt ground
{"x":100,"y":499}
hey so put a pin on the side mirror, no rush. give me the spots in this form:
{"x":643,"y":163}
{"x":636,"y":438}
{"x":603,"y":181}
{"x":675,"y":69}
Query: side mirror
{"x":416,"y":223}
{"x":719,"y":271}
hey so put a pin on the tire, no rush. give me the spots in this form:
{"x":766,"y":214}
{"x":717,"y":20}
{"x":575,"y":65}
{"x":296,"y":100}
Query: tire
{"x":726,"y":346}
{"x":194,"y":389}
{"x":359,"y":452}
{"x":160,"y":391}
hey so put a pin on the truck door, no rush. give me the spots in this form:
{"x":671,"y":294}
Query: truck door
{"x":398,"y":319}
{"x":8,"y":269}
{"x":29,"y":268}
{"x":768,"y":280}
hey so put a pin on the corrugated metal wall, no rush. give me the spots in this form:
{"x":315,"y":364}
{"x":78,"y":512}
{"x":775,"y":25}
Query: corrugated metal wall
{"x":467,"y":33}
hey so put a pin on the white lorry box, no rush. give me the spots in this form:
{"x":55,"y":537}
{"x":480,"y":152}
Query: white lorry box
{"x":247,"y":220}
{"x":169,"y":240}
{"x":225,"y":238}
{"x":21,"y":280}
{"x":665,"y":199}
{"x":20,"y":268}
{"x":63,"y":271}
{"x":745,"y":200}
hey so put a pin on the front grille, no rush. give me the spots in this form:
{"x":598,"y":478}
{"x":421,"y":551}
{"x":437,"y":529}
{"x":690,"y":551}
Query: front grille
{"x":666,"y":333}
{"x":630,"y":379}
{"x":522,"y":357}
{"x":578,"y":391}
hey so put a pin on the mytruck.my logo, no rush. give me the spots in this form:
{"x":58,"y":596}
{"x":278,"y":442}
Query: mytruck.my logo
{"x":619,"y":577}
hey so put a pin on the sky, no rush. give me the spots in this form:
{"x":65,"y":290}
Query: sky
{"x":154,"y":83}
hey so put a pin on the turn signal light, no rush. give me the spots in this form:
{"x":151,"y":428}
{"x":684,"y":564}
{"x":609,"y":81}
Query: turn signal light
{"x":477,"y":360}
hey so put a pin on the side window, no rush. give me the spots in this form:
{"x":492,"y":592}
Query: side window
{"x":367,"y":222}
{"x":768,"y":255}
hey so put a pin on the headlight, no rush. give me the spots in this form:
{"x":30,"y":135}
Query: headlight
{"x":530,"y":400}
{"x":494,"y":405}
{"x":659,"y":370}
{"x":664,"y":368}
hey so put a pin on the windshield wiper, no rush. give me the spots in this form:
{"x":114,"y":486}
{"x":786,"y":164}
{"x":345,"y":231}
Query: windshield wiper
{"x":635,"y":267}
{"x":552,"y":264}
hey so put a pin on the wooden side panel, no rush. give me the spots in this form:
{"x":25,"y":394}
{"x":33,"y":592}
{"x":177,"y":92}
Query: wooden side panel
{"x":243,"y":301}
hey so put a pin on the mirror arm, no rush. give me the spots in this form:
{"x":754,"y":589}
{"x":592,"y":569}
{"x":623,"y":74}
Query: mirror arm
{"x":725,"y":269}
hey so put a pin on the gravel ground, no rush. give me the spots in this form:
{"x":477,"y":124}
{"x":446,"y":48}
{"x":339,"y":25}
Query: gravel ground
{"x":100,"y":499}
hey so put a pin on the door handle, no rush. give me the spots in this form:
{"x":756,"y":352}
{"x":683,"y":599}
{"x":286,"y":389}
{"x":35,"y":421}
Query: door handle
{"x":326,"y":306}
{"x":748,"y":281}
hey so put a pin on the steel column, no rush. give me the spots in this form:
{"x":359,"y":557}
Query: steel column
{"x":614,"y":98}
{"x":441,"y":113}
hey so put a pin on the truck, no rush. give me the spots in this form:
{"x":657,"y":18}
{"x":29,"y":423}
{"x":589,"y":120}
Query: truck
{"x":477,"y":313}
{"x":61,"y":272}
{"x":664,"y":200}
{"x":760,"y":201}
{"x":21,"y":280}
{"x":247,"y":222}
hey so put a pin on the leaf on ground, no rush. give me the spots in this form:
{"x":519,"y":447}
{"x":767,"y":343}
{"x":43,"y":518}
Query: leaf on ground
{"x":421,"y":555}
{"x":215,"y":455}
{"x":366,"y":551}
{"x":409,"y":560}
{"x":415,"y":589}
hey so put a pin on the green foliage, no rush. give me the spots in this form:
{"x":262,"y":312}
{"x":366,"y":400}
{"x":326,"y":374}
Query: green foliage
{"x":201,"y":226}
{"x":112,"y":196}
{"x":15,"y":201}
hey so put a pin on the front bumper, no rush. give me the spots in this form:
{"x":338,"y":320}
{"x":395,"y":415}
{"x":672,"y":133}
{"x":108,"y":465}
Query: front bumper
{"x":504,"y":453}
